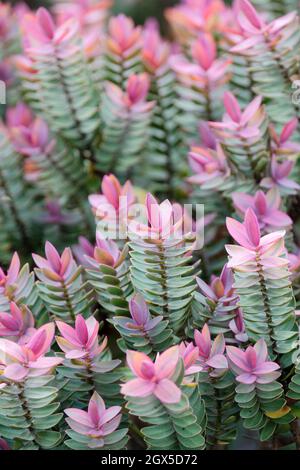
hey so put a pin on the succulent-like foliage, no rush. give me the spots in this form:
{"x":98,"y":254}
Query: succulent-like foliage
{"x":166,"y":284}
{"x":200,"y":83}
{"x":96,"y":428}
{"x":173,"y":422}
{"x":9,"y":31}
{"x":28,"y":403}
{"x":65,"y":91}
{"x":294,"y":388}
{"x":142,"y":332}
{"x":216,"y":304}
{"x":15,"y":197}
{"x":276,"y":7}
{"x":244,"y":135}
{"x":28,"y":414}
{"x":152,"y":330}
{"x":18,"y":286}
{"x":60,"y":285}
{"x":262,"y":281}
{"x":216,"y":386}
{"x":108,"y":273}
{"x":112,"y":208}
{"x":46,"y":162}
{"x":270,"y":49}
{"x":87,"y":365}
{"x":164,"y":143}
{"x":126,"y":117}
{"x":258,"y":394}
{"x":222,"y":412}
{"x":189,"y":18}
{"x":170,"y":426}
{"x":123,"y":46}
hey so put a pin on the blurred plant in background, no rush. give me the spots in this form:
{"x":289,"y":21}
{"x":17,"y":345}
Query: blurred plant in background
{"x":125,"y":118}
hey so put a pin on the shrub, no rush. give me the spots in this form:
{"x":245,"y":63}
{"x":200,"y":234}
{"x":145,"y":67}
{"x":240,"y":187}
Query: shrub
{"x":122,"y":324}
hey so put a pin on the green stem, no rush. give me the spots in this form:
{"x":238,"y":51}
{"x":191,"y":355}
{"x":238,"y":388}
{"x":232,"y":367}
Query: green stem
{"x":284,"y":72}
{"x":169,"y":150}
{"x":164,"y":279}
{"x":136,"y":435}
{"x":22,"y":229}
{"x":296,"y":432}
{"x":90,"y":378}
{"x":266,"y":304}
{"x":68,"y":301}
{"x":87,"y":152}
{"x":26,"y":408}
{"x":121,"y":146}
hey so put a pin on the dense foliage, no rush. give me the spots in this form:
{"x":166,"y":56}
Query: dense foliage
{"x":150,"y":227}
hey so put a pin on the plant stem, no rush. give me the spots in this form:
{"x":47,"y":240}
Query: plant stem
{"x":68,"y":301}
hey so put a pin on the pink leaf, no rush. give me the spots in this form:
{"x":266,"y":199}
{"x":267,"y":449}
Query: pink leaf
{"x":166,"y":362}
{"x":81,"y":329}
{"x":167,"y":392}
{"x":13,"y":269}
{"x":251,"y":14}
{"x":45,"y":20}
{"x":138,"y":388}
{"x":238,"y":232}
{"x":232,"y":107}
{"x":252,"y":227}
{"x":288,"y":130}
{"x":53,"y":257}
{"x":16,"y":372}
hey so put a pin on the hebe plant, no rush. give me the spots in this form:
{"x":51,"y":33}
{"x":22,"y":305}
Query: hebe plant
{"x":120,"y":327}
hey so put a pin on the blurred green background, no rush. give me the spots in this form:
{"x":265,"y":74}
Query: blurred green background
{"x":139,"y":10}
